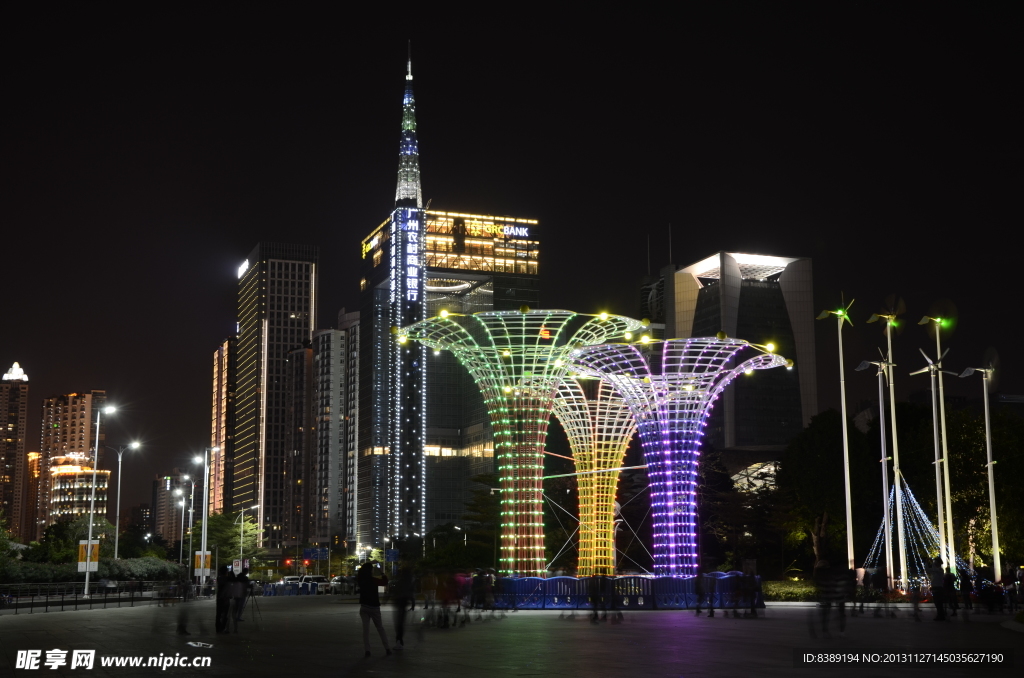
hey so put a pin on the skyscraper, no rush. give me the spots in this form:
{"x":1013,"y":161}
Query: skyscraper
{"x":762,"y":299}
{"x":167,"y":513}
{"x":222,"y":424}
{"x":423,"y":429}
{"x":276,"y":313}
{"x":66,"y":448}
{"x":13,"y":459}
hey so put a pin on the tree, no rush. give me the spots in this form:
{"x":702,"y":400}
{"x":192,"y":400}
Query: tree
{"x":60,"y":540}
{"x":223,"y":532}
{"x":811,"y":480}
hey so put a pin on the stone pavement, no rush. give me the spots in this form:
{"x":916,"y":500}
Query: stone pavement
{"x":322,"y":636}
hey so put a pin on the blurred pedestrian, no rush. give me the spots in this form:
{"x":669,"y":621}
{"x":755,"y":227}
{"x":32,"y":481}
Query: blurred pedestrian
{"x":225,"y":581}
{"x":369,"y":603}
{"x":404,"y":597}
{"x":880,"y":583}
{"x":706,"y":588}
{"x":936,"y":579}
{"x":242,"y":593}
{"x":949,"y":591}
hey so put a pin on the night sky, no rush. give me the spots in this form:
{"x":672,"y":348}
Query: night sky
{"x":145,"y":155}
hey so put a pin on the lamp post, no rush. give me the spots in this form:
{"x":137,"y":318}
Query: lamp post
{"x":842,"y":315}
{"x":938,"y":324}
{"x":191,"y":510}
{"x":885,"y":469}
{"x":117,"y":523}
{"x":986,"y":375}
{"x":897,"y":478}
{"x":206,"y":495}
{"x":109,"y":409}
{"x":181,"y":538}
{"x":241,"y":527}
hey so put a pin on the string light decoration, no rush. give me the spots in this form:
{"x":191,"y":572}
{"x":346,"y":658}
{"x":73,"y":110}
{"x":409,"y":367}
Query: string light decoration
{"x":599,"y":426}
{"x":517,"y":359}
{"x":670,"y":387}
{"x":923,"y":544}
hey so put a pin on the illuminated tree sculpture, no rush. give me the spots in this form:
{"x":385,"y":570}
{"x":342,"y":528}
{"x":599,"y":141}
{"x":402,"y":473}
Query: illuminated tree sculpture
{"x":670,"y":387}
{"x":517,"y":359}
{"x":599,"y":426}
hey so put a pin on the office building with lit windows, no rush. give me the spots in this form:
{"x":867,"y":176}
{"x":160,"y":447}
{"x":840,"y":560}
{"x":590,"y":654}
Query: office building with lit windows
{"x":13,"y":457}
{"x":222,"y":425}
{"x":168,"y":516}
{"x":276,"y":313}
{"x":66,"y":450}
{"x":762,"y":299}
{"x":423,"y":431}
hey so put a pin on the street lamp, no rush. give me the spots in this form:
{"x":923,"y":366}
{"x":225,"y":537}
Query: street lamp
{"x":986,"y":374}
{"x":241,"y":527}
{"x":117,"y":523}
{"x":885,"y":469}
{"x":191,"y":510}
{"x":934,"y":370}
{"x":938,"y":324}
{"x":206,"y":496}
{"x":842,"y":315}
{"x":897,"y":477}
{"x":109,"y":409}
{"x":181,"y":537}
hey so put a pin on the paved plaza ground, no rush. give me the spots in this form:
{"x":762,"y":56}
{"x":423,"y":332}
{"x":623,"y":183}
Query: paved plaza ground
{"x":312,"y":637}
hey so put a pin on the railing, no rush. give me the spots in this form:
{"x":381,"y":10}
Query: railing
{"x":59,"y":596}
{"x":728,"y":590}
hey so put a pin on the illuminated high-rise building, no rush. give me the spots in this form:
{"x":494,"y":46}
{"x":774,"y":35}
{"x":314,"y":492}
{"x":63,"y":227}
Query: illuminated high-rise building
{"x":13,"y":459}
{"x":276,"y":313}
{"x":763,"y":299}
{"x":222,"y":425}
{"x":423,"y":428}
{"x":66,"y":448}
{"x":167,"y":512}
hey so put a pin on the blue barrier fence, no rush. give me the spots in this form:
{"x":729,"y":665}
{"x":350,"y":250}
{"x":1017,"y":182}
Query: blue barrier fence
{"x":721,"y":590}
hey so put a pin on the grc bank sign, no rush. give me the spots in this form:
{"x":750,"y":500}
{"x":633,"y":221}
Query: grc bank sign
{"x":497,"y":231}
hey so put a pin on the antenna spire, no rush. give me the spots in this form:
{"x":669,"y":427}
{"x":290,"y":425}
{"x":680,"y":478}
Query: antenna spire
{"x":409,"y":192}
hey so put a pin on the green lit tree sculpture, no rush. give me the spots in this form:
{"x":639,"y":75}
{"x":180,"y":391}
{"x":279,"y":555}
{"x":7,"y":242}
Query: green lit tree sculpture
{"x":518,"y":359}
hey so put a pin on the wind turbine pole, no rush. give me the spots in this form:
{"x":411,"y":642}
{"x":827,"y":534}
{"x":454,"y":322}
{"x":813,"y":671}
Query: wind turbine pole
{"x":896,"y":475}
{"x":945,"y":451}
{"x":996,"y":561}
{"x":885,"y":480}
{"x":846,"y":448}
{"x":932,"y":369}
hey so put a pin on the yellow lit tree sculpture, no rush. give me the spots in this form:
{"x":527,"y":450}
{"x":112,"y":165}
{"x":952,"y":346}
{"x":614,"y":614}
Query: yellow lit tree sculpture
{"x":599,"y":426}
{"x":517,"y":359}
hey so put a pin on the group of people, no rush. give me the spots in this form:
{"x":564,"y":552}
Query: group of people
{"x":232,"y":593}
{"x":440,"y":593}
{"x":836,"y":586}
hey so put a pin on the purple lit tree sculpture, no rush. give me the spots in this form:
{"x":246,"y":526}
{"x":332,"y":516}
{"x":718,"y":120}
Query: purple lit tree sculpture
{"x":517,"y":359}
{"x":670,"y":387}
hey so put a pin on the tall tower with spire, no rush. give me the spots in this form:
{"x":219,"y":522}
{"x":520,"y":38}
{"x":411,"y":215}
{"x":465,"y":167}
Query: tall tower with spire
{"x":391,"y":487}
{"x":409,"y":192}
{"x":423,"y":431}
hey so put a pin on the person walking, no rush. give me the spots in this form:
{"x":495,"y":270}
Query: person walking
{"x":706,"y":587}
{"x":936,"y":577}
{"x":404,"y":596}
{"x":225,"y":580}
{"x":369,"y":604}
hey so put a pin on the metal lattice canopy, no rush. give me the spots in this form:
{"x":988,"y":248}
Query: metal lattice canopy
{"x":670,"y":387}
{"x":517,"y":359}
{"x":599,"y":426}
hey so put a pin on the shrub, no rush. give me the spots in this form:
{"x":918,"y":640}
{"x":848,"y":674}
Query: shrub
{"x":788,"y":591}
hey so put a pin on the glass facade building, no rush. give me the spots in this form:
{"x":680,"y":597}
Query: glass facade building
{"x":276,"y":313}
